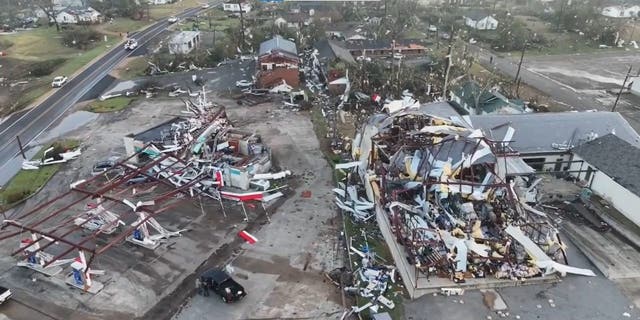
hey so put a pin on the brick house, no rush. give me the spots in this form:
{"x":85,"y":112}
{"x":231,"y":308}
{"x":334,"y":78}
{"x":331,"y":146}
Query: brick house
{"x":277,"y":61}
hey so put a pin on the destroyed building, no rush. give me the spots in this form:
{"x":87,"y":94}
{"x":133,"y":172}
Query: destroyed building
{"x":237,"y":155}
{"x":198,"y":156}
{"x":453,"y":204}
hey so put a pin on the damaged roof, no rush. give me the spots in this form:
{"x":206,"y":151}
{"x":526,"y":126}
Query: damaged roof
{"x":334,"y":50}
{"x":278,"y":43}
{"x":476,"y":15}
{"x":537,"y":132}
{"x":489,"y":101}
{"x":615,"y":157}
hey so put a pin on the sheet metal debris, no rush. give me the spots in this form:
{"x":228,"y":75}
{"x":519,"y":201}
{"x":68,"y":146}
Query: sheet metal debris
{"x":462,"y":205}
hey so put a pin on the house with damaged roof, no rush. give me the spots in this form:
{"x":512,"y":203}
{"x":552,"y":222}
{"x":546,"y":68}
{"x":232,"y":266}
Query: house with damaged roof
{"x":471,"y":98}
{"x":545,"y":140}
{"x":332,"y":59}
{"x":609,"y":167}
{"x":278,"y":62}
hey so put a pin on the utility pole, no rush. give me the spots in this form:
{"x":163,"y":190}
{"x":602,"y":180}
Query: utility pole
{"x":21,"y":148}
{"x":621,"y":88}
{"x":241,"y":26}
{"x":446,"y":74}
{"x":517,"y":79}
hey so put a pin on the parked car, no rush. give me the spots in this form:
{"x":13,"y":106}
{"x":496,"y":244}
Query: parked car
{"x":244,"y":84}
{"x":59,"y":81}
{"x":222,"y":284}
{"x":131,"y":44}
{"x":5,"y":295}
{"x":172,"y":20}
{"x":205,"y":6}
{"x":101,"y":167}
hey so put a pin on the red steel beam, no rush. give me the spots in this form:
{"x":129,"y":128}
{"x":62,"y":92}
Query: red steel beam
{"x":52,"y":236}
{"x":124,"y":234}
{"x":40,"y":207}
{"x":76,"y":227}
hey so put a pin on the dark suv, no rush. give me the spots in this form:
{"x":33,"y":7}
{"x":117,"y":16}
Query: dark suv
{"x":222,"y":284}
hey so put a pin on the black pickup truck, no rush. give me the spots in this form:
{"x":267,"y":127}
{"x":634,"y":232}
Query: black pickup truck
{"x":222,"y":284}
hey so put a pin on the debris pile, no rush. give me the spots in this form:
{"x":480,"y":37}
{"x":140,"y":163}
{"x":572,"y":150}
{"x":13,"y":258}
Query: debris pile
{"x":202,"y":147}
{"x":373,"y":280}
{"x":449,"y":193}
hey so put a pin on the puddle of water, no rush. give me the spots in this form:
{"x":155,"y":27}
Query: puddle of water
{"x":122,"y":86}
{"x":68,"y":124}
{"x":11,"y":168}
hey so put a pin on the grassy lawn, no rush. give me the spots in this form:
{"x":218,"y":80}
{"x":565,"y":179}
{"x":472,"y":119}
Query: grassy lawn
{"x":133,"y":67}
{"x":376,"y":243}
{"x":44,"y":43}
{"x":219,"y":21}
{"x":38,"y":44}
{"x":167,"y":10}
{"x":28,"y":182}
{"x":110,"y":105}
{"x":559,"y":42}
{"x":124,"y":25}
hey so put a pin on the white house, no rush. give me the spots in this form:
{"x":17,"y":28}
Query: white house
{"x":621,"y":11}
{"x":480,"y":21}
{"x":609,"y":167}
{"x":66,"y":17}
{"x":89,"y":15}
{"x":159,"y":2}
{"x":75,"y":16}
{"x":184,"y":42}
{"x":234,"y":7}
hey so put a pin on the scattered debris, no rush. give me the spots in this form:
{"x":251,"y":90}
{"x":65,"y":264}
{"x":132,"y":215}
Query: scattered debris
{"x":249,"y":238}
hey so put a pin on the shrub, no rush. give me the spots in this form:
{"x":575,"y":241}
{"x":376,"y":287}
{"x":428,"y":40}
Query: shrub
{"x":81,"y":38}
{"x":5,"y":44}
{"x":15,"y":196}
{"x":45,"y":68}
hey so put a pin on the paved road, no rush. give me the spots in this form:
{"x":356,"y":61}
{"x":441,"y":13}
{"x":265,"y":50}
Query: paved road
{"x":31,"y":124}
{"x":558,"y":91}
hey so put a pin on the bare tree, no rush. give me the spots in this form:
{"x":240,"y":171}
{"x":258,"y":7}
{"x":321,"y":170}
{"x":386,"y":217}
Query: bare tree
{"x":48,"y":7}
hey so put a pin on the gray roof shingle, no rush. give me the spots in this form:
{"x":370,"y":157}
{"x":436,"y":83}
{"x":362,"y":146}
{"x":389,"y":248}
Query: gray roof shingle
{"x":616,"y":158}
{"x":278,"y":43}
{"x":536,"y":132}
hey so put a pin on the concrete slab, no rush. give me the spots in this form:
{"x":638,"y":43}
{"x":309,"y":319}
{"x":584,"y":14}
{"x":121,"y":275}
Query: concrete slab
{"x":135,"y":278}
{"x":49,"y":271}
{"x":96,"y":286}
{"x":610,"y":254}
{"x":575,"y":297}
{"x":285,"y":268}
